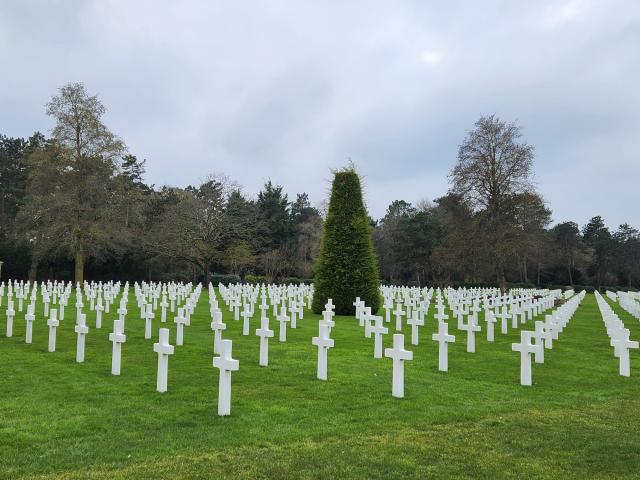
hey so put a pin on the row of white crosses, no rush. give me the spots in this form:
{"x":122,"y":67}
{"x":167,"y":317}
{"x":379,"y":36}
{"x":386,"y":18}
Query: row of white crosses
{"x":628,"y":302}
{"x":535,"y":342}
{"x":60,"y":292}
{"x":619,"y":335}
{"x":415,"y":301}
{"x":525,"y":306}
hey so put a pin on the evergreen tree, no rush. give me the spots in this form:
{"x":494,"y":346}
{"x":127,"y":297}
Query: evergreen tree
{"x":347,"y":267}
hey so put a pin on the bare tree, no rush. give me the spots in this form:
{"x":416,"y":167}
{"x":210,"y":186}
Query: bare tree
{"x":493,"y":166}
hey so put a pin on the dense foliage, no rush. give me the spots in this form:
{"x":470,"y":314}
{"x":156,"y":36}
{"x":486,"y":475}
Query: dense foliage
{"x":347,"y":266}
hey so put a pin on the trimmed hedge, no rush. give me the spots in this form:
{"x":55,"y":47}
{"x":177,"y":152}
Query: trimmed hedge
{"x":297,"y":281}
{"x":254,"y":279}
{"x":225,"y":279}
{"x":347,"y":267}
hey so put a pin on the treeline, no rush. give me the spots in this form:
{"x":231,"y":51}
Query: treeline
{"x":76,"y":205}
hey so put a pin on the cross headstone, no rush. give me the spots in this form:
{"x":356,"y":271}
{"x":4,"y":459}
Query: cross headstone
{"x":163,"y":349}
{"x":623,"y":344}
{"x":246,"y":315}
{"x":283,"y":319}
{"x":324,"y":343}
{"x":180,"y":322}
{"x":264,"y":333}
{"x":490,"y":318}
{"x":11,"y":313}
{"x":29,"y":318}
{"x":526,"y":349}
{"x":415,"y":323}
{"x":471,"y":328}
{"x":399,"y":355}
{"x":226,"y":364}
{"x":81,"y":330}
{"x":399,"y":313}
{"x":217,"y":326}
{"x":378,"y":330}
{"x":99,"y":310}
{"x":443,"y":338}
{"x":148,"y":317}
{"x":117,"y":337}
{"x":53,"y":323}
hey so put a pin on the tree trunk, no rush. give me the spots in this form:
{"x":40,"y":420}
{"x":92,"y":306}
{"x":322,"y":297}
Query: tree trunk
{"x":79,"y":277}
{"x":502,"y":281}
{"x":33,"y":269}
{"x":570,"y":275}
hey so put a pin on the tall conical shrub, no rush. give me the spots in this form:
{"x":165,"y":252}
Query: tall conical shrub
{"x":347,"y":267}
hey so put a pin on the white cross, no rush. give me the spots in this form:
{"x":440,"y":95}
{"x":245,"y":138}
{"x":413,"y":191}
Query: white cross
{"x":366,"y":321}
{"x":148,"y":317}
{"x":398,"y":354}
{"x":283,"y":319}
{"x":180,"y":322}
{"x":117,"y":337}
{"x":471,"y":328}
{"x":293,"y":309}
{"x":264,"y":333}
{"x":399,"y":313}
{"x":415,"y":322}
{"x":504,"y":316}
{"x":163,"y":306}
{"x":81,"y":329}
{"x":388,"y":306}
{"x":10,"y":314}
{"x":324,"y":343}
{"x":526,"y":348}
{"x":217,"y":326}
{"x":356,"y":304}
{"x":226,"y":364}
{"x":163,"y":349}
{"x":29,"y":318}
{"x":490,"y":318}
{"x":443,"y":338}
{"x":99,"y":310}
{"x":623,"y":344}
{"x":378,"y":330}
{"x":440,"y":316}
{"x":330,"y":306}
{"x":122,"y":312}
{"x":246,"y":315}
{"x":53,"y":323}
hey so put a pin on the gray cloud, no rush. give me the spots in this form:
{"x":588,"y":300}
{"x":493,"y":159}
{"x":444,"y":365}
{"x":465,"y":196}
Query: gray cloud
{"x":288,"y":90}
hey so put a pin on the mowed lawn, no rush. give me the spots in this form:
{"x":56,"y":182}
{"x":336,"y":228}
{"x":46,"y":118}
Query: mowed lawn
{"x":59,"y":419}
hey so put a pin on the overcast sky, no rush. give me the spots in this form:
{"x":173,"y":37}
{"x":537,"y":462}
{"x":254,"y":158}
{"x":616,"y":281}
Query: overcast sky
{"x":288,"y":90}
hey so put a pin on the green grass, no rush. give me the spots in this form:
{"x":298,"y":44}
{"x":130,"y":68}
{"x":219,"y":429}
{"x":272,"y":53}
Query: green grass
{"x":59,"y":419}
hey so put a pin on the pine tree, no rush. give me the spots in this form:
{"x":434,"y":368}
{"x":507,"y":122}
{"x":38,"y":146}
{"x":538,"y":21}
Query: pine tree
{"x":347,"y":267}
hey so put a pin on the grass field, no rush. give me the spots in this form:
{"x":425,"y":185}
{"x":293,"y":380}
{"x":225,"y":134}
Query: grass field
{"x":59,"y":419}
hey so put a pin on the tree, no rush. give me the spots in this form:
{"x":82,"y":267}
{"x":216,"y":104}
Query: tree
{"x":13,"y":177}
{"x":77,"y":186}
{"x":598,"y":237}
{"x":531,"y":220}
{"x":493,"y":165}
{"x":308,"y":227}
{"x":238,"y":257}
{"x":566,"y":237}
{"x":194,"y":227}
{"x":275,"y":222}
{"x":461,"y":253}
{"x":627,"y":254}
{"x":347,"y":266}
